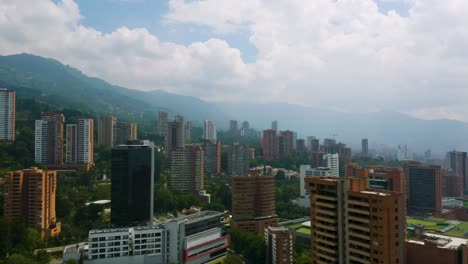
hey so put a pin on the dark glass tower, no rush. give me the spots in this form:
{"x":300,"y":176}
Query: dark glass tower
{"x":132,"y":184}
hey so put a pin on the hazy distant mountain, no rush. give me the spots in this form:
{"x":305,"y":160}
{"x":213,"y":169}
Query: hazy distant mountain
{"x":52,"y":82}
{"x":388,"y":128}
{"x":57,"y":84}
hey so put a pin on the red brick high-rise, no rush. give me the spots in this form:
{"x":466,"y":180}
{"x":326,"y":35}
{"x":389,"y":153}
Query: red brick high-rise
{"x":49,"y":139}
{"x":452,"y":185}
{"x":380,"y":177}
{"x":270,"y":144}
{"x":286,"y":143}
{"x":30,"y":198}
{"x":253,"y":203}
{"x":351,"y":224}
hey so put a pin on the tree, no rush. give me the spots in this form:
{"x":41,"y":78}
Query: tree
{"x":19,"y":259}
{"x":250,"y":245}
{"x":43,"y":257}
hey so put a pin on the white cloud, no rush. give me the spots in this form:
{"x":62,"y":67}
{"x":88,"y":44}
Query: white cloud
{"x":339,"y":54}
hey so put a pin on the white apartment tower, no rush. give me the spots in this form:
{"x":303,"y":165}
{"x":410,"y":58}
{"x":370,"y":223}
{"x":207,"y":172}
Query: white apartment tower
{"x":7,"y":115}
{"x":333,"y":163}
{"x":71,"y":132}
{"x":40,"y":141}
{"x":80,"y":142}
{"x":162,"y":123}
{"x":187,"y":169}
{"x":209,"y":130}
{"x":274,"y":125}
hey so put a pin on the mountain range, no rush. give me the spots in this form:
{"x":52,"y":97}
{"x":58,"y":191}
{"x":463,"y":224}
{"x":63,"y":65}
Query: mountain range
{"x":63,"y":86}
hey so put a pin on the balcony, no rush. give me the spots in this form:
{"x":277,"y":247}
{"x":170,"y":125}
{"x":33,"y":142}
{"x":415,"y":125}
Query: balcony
{"x":360,"y":227}
{"x":354,"y":210}
{"x":328,"y":235}
{"x":328,"y":250}
{"x":331,"y":228}
{"x":326,"y":205}
{"x":327,"y":220}
{"x":358,"y":219}
{"x":329,"y":198}
{"x":331,"y":259}
{"x":357,"y":251}
{"x":358,"y":260}
{"x":358,"y":203}
{"x":352,"y":233}
{"x":331,"y":213}
{"x":358,"y":243}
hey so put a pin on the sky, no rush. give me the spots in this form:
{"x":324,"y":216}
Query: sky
{"x":408,"y":56}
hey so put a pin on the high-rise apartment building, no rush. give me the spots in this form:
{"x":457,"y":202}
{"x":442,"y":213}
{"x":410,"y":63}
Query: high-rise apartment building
{"x":365,"y":147}
{"x":452,"y":185}
{"x":245,"y":125}
{"x":7,"y":115}
{"x":187,"y":169}
{"x":279,"y":244}
{"x":85,"y":141}
{"x":307,"y":171}
{"x":380,"y":177}
{"x":270,"y":144}
{"x":49,"y":139}
{"x":350,"y":224}
{"x":233,"y":126}
{"x":456,"y":162}
{"x":209,"y":130}
{"x":133,"y":172}
{"x":375,"y":230}
{"x":286,"y":143}
{"x":71,"y":139}
{"x":313,"y":144}
{"x":300,"y":146}
{"x":30,"y":198}
{"x":423,"y":186}
{"x":179,"y":118}
{"x":212,"y":158}
{"x":188,"y":131}
{"x":107,"y":130}
{"x":80,"y":142}
{"x":332,"y":161}
{"x":404,"y":153}
{"x":125,"y":132}
{"x":162,"y":123}
{"x":175,"y":137}
{"x":317,"y":160}
{"x":253,"y":203}
{"x":329,"y":145}
{"x":238,"y":159}
{"x":274,"y":125}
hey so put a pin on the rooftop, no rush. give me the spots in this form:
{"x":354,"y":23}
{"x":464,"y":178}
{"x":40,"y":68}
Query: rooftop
{"x":376,"y":193}
{"x":198,"y":216}
{"x":442,"y":241}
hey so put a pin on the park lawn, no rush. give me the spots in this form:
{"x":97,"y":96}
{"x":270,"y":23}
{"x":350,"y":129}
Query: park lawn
{"x":296,"y":226}
{"x":304,"y":230}
{"x":459,"y":230}
{"x":428,"y":225}
{"x":437,"y":220}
